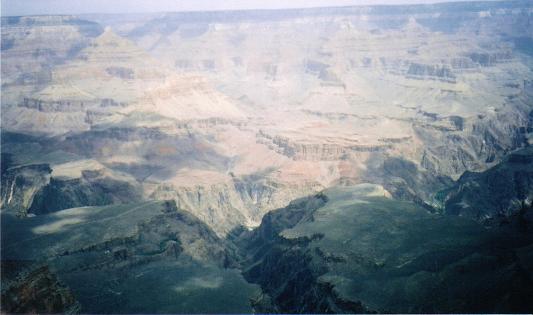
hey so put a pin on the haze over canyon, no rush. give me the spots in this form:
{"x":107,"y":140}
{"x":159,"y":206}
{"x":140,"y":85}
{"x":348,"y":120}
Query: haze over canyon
{"x":353,"y":159}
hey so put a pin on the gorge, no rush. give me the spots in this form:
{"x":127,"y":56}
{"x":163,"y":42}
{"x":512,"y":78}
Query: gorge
{"x":323,"y":160}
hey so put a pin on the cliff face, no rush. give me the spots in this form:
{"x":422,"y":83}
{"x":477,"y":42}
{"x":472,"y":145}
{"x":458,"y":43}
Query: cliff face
{"x":317,"y":151}
{"x":92,"y":189}
{"x":96,"y":256}
{"x":38,"y":291}
{"x":500,"y":191}
{"x":234,"y":203}
{"x":20,"y":184}
{"x":352,"y":249}
{"x":421,"y":71}
{"x":480,"y":143}
{"x":285,"y":268}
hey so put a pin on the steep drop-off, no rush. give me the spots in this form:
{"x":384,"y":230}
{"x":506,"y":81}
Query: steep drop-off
{"x":136,"y":258}
{"x":500,"y":191}
{"x":353,"y":249}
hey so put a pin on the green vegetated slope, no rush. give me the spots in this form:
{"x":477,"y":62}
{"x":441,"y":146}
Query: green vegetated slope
{"x":348,"y":249}
{"x":353,"y":249}
{"x":138,"y":258}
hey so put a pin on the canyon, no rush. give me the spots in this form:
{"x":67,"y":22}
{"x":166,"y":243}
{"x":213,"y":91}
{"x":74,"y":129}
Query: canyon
{"x":291,"y":161}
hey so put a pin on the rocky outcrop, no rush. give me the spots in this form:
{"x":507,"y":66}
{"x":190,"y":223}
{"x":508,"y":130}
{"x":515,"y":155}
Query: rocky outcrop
{"x":474,"y":60}
{"x":58,"y":106}
{"x":105,"y":254}
{"x":163,"y":236}
{"x":20,"y":184}
{"x":241,"y":201}
{"x":406,"y":180}
{"x":285,"y":268}
{"x":435,"y":72}
{"x":499,"y":191}
{"x":351,"y":249}
{"x":472,"y":144}
{"x":65,"y":105}
{"x":316,"y":151}
{"x":485,"y":59}
{"x":38,"y":291}
{"x":92,"y":189}
{"x":462,"y":63}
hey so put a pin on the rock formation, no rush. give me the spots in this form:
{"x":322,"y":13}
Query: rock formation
{"x":298,"y":160}
{"x":352,"y":249}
